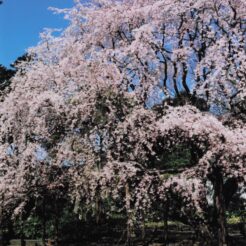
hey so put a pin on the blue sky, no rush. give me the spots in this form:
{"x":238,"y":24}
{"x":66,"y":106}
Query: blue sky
{"x":21,"y":21}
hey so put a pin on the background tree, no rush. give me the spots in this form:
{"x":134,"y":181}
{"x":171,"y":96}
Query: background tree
{"x":5,"y":76}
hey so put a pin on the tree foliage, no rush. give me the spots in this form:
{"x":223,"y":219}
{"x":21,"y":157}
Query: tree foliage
{"x":94,"y":111}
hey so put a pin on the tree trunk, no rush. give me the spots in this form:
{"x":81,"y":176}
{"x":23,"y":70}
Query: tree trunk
{"x":143,"y":231}
{"x":165,"y":223}
{"x":44,"y":223}
{"x":1,"y":237}
{"x":243,"y":221}
{"x":56,"y":241}
{"x":129,"y":234}
{"x":129,"y":222}
{"x":175,"y":85}
{"x":23,"y":242}
{"x":98,"y":209}
{"x":1,"y":224}
{"x":22,"y":238}
{"x":220,"y":209}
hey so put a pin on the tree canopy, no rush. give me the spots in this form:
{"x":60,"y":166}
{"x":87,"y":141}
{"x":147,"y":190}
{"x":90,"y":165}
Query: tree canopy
{"x":93,"y":110}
